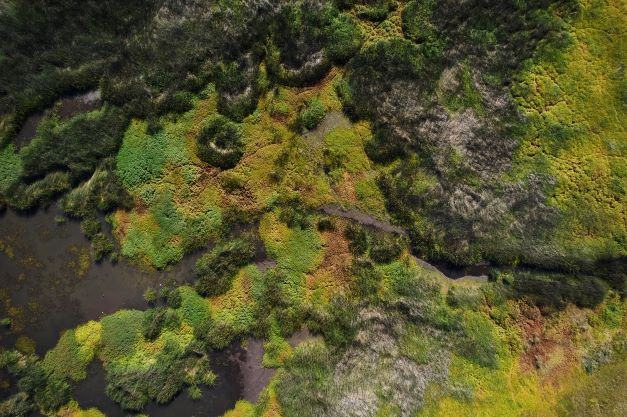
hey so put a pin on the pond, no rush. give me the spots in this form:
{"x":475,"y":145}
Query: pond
{"x":48,"y":285}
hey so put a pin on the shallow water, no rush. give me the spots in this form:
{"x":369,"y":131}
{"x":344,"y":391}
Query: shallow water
{"x":49,"y":285}
{"x":68,"y":107}
{"x":46,"y":273}
{"x":214,"y":402}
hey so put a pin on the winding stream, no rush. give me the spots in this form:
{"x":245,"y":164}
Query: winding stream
{"x":474,"y":272}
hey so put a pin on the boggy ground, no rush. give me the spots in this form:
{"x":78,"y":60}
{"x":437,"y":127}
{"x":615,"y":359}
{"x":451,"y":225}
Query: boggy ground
{"x":460,"y":132}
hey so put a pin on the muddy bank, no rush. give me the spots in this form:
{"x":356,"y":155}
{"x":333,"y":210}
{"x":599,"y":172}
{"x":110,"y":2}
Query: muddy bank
{"x":249,"y":359}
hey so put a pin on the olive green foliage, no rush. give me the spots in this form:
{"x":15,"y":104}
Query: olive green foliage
{"x":336,"y":322}
{"x":465,"y":55}
{"x":381,"y":247}
{"x":306,"y":371}
{"x":194,"y":309}
{"x":10,"y":168}
{"x":239,"y":85}
{"x":132,"y":387}
{"x":70,"y":357}
{"x":312,"y":114}
{"x":480,"y":343}
{"x":557,"y":290}
{"x":121,"y":332}
{"x":18,"y":405}
{"x":308,"y":37}
{"x":62,"y":145}
{"x":344,"y":38}
{"x":153,"y":322}
{"x":597,"y":395}
{"x":220,"y":143}
{"x":417,"y":20}
{"x":367,"y":279}
{"x":464,"y":298}
{"x":375,"y":10}
{"x":141,"y":157}
{"x":215,"y":271}
{"x":40,"y":388}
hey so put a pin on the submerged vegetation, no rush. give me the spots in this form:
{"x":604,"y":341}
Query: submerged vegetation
{"x":315,"y":154}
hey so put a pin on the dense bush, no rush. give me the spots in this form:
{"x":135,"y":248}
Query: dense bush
{"x":40,"y":387}
{"x":220,"y":143}
{"x":215,"y":271}
{"x":375,"y":10}
{"x":312,"y":114}
{"x":337,"y":322}
{"x":153,"y":322}
{"x":177,"y":102}
{"x":194,"y":308}
{"x":358,"y":238}
{"x":132,"y":385}
{"x":18,"y":405}
{"x":385,"y":248}
{"x":557,"y":290}
{"x":367,"y":279}
{"x":481,"y":343}
{"x":343,"y":37}
{"x":239,"y":86}
{"x":417,"y":20}
{"x":61,"y":146}
{"x":121,"y":332}
{"x":306,"y":372}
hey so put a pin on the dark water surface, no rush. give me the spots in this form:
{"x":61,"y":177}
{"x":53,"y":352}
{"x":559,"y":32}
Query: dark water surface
{"x":46,"y":273}
{"x":48,"y":285}
{"x":68,"y":107}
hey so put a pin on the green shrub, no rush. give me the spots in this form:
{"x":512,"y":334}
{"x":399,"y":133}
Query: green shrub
{"x":417,"y":20}
{"x":90,"y":227}
{"x":358,"y":238}
{"x":101,"y":246}
{"x":10,"y":168}
{"x":481,"y":343}
{"x":385,"y":249}
{"x":343,"y":37}
{"x":312,"y":114}
{"x":301,"y":387}
{"x":178,"y":102}
{"x":194,"y":392}
{"x":194,"y":308}
{"x":61,"y":145}
{"x":215,"y":271}
{"x":220,"y":143}
{"x":557,"y":290}
{"x":464,"y":298}
{"x":18,"y":405}
{"x":239,"y":85}
{"x":152,"y":322}
{"x":337,"y":322}
{"x":174,"y":298}
{"x":367,"y":278}
{"x":121,"y":332}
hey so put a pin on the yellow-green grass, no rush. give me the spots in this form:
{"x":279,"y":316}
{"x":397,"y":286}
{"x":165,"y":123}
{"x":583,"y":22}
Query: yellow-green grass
{"x":242,"y":409}
{"x":235,"y":308}
{"x":74,"y":351}
{"x":577,"y":110}
{"x":72,"y":409}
